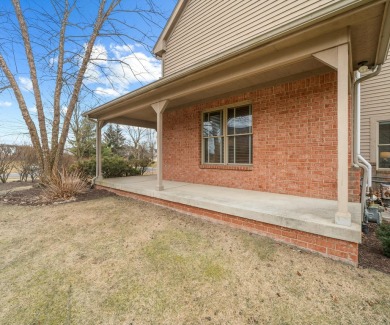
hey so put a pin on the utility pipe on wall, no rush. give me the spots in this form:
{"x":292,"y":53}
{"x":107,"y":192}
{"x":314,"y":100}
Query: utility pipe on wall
{"x":358,"y":159}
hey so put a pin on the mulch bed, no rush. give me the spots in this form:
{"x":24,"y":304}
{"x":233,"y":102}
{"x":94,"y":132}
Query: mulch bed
{"x":370,"y":251}
{"x":34,"y":196}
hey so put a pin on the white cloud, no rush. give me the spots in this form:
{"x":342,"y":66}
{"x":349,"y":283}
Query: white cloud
{"x":107,"y":92}
{"x":26,"y":83}
{"x":53,"y":61}
{"x":99,"y":52}
{"x":136,"y":66}
{"x":32,"y":109}
{"x":125,"y":65}
{"x":98,"y":59}
{"x":5,"y":104}
{"x":120,"y":50}
{"x":64,"y":109}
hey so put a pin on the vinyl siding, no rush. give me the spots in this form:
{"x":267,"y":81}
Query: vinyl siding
{"x":375,"y":101}
{"x":207,"y":28}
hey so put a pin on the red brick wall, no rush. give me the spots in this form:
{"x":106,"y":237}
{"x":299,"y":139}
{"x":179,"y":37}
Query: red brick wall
{"x":294,"y":141}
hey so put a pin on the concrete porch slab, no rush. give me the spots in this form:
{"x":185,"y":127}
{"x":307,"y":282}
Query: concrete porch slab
{"x":301,"y":213}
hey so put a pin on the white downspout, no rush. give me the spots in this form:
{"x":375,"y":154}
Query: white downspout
{"x":358,"y":159}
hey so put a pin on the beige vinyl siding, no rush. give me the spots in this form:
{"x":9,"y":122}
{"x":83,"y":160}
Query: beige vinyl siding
{"x":207,"y":28}
{"x":375,"y":102}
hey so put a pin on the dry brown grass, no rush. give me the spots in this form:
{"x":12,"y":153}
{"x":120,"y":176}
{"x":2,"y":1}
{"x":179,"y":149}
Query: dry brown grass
{"x":65,"y":185}
{"x":119,"y":261}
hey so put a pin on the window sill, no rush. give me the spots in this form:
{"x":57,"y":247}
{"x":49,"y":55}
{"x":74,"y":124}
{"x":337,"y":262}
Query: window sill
{"x":383,"y":170}
{"x":227,"y":167}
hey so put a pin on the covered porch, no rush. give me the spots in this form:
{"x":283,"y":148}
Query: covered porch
{"x":309,"y":215}
{"x":149,"y":106}
{"x":333,"y":48}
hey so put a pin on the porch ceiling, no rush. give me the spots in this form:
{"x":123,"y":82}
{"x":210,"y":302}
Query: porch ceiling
{"x":281,"y":60}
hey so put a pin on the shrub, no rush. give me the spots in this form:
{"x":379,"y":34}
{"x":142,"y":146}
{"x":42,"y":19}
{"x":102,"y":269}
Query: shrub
{"x":86,"y":167}
{"x":141,"y":164}
{"x":113,"y":166}
{"x":383,"y":234}
{"x":65,"y":185}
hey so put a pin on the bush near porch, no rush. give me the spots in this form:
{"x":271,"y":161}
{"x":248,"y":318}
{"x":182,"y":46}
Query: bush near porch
{"x":112,"y":166}
{"x":383,"y":233}
{"x":118,"y":261}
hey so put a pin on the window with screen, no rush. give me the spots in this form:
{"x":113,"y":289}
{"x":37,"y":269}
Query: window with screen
{"x":227,"y":136}
{"x":384,"y":145}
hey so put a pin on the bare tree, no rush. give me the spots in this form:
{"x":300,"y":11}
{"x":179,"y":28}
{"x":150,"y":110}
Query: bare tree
{"x":8,"y":158}
{"x":137,"y":136}
{"x":28,"y":164}
{"x":142,"y":146}
{"x":64,"y":50}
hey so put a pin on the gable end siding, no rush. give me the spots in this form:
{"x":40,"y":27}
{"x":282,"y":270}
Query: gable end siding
{"x":207,"y":28}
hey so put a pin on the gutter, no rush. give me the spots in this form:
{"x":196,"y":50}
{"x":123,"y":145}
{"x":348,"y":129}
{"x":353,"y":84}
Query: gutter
{"x":358,"y":159}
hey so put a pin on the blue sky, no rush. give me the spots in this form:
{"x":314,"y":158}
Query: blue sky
{"x":117,"y":80}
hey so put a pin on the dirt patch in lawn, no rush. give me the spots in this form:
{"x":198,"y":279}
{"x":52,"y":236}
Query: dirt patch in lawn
{"x":115,"y":260}
{"x":31,"y":194}
{"x":371,"y":251}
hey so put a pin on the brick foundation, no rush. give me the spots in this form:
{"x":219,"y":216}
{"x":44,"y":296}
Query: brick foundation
{"x":334,"y":248}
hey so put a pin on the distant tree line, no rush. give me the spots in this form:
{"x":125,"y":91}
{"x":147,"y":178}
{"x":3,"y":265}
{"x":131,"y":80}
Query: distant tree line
{"x":21,"y":159}
{"x":122,"y":155}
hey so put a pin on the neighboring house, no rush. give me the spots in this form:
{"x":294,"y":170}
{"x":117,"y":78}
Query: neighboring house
{"x":253,"y":116}
{"x":375,"y":125}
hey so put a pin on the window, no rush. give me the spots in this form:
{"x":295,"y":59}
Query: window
{"x":227,"y":136}
{"x":384,"y":145}
{"x":213,"y":137}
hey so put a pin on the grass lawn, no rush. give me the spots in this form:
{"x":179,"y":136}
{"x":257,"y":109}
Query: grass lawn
{"x":118,"y":261}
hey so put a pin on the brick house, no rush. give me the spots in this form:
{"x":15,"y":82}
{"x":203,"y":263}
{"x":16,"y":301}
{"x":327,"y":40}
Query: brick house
{"x":254,"y":117}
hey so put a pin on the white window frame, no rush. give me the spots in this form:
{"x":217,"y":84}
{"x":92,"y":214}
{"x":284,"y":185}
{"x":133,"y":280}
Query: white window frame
{"x":225,"y":136}
{"x":377,"y":147}
{"x":374,"y":139}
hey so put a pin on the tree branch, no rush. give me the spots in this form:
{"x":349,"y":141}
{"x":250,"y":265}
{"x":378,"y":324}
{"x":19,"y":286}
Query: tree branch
{"x":34,"y":81}
{"x":59,"y":80}
{"x":101,"y":18}
{"x":23,"y":107}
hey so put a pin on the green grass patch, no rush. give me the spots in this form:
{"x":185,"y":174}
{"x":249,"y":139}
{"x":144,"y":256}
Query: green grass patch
{"x":181,"y":255}
{"x":263,"y":248}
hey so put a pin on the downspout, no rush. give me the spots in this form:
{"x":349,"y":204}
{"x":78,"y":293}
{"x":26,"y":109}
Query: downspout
{"x":358,"y":159}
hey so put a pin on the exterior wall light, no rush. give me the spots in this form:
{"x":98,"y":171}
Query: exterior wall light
{"x":363,"y":67}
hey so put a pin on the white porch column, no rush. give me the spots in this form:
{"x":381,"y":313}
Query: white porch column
{"x":343,"y":217}
{"x":159,"y":108}
{"x":99,"y":126}
{"x":338,"y":58}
